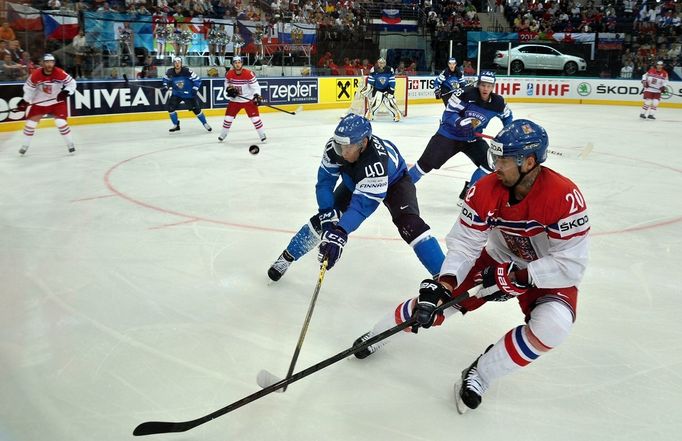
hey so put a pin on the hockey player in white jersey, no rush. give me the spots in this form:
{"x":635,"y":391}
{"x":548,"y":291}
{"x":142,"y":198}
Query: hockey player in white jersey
{"x":522,"y":234}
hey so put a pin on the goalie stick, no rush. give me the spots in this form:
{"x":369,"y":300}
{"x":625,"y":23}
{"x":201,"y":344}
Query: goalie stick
{"x":264,"y":375}
{"x":154,"y":427}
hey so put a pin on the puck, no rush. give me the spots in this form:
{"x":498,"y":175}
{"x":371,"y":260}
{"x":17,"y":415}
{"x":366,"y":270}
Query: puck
{"x":254,"y":149}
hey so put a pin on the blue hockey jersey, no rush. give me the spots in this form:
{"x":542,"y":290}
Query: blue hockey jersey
{"x":184,"y":84}
{"x":470,"y":105}
{"x":382,"y":79}
{"x":449,"y":80}
{"x":377,"y":168}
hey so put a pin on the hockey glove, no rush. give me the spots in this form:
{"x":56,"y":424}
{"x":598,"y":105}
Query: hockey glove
{"x":332,"y":245}
{"x":366,"y":90}
{"x":502,"y":282}
{"x":431,"y":293}
{"x":464,"y":129}
{"x":257,"y":100}
{"x":63,"y":95}
{"x":438,"y":92}
{"x":22,"y":105}
{"x":232,"y":92}
{"x":390,"y":92}
{"x":329,"y":219}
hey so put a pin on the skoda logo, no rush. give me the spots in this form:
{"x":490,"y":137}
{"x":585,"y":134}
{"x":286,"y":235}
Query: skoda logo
{"x":584,"y":89}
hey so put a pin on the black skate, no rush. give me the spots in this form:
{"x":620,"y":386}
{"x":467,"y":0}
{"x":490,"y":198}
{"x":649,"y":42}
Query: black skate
{"x":470,"y":388}
{"x":643,"y":116}
{"x":71,"y":148}
{"x":207,"y":127}
{"x":263,"y":138}
{"x":281,"y":265}
{"x":651,"y":117}
{"x":175,"y":128}
{"x":23,"y":149}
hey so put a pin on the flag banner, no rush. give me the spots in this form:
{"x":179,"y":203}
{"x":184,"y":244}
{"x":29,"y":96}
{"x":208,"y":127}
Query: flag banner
{"x":401,"y":26}
{"x":297,"y":33}
{"x":23,"y":18}
{"x":256,"y":33}
{"x":59,"y":26}
{"x":390,"y":16}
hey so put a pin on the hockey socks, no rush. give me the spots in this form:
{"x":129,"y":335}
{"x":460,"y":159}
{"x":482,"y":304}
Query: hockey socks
{"x":305,"y":240}
{"x":174,"y":118}
{"x":429,"y":253}
{"x":65,"y":131}
{"x":29,"y":131}
{"x":201,"y":117}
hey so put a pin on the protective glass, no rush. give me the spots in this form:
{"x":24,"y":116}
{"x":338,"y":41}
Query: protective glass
{"x":340,"y":148}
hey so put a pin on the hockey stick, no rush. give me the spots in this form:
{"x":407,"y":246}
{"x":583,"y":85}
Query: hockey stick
{"x":154,"y":427}
{"x":30,"y":104}
{"x":298,"y":109}
{"x":581,"y":154}
{"x":263,"y":378}
{"x":127,"y":84}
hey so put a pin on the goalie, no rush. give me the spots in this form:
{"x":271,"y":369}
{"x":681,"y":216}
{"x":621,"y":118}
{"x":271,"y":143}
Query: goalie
{"x":380,"y":89}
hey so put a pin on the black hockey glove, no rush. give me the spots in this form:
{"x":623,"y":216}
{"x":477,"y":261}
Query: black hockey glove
{"x":431,"y":294}
{"x":63,"y":95}
{"x":438,"y":92}
{"x":498,"y":285}
{"x":329,"y":219}
{"x":232,"y":92}
{"x":257,"y":100}
{"x":22,"y":105}
{"x":332,"y":245}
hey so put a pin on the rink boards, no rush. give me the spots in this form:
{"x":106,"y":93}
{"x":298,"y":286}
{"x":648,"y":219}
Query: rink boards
{"x":114,"y":100}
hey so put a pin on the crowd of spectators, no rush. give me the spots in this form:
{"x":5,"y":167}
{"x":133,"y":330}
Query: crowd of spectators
{"x":451,"y":19}
{"x":15,"y":62}
{"x":652,"y":30}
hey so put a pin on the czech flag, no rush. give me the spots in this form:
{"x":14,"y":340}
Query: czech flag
{"x":60,"y":27}
{"x":390,"y":16}
{"x":23,"y":18}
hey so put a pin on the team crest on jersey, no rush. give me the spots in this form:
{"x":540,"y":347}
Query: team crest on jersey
{"x":181,"y":84}
{"x":382,"y":80}
{"x":47,"y":88}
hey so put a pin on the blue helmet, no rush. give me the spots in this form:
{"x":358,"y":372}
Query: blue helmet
{"x":487,"y":76}
{"x":519,"y":139}
{"x":452,"y":60}
{"x":352,"y":129}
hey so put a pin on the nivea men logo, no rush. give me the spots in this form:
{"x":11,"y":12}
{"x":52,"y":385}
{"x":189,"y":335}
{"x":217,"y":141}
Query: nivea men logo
{"x":574,"y":224}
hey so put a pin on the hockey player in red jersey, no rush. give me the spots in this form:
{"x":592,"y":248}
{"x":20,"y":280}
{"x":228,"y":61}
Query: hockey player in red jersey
{"x":46,"y":92}
{"x":654,"y":82}
{"x":243,"y":90}
{"x":523,"y":233}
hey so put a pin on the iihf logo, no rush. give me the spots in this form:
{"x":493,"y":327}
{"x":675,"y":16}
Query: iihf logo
{"x":529,"y":89}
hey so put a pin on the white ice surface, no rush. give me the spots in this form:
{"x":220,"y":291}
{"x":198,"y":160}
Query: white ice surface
{"x":134,"y":288}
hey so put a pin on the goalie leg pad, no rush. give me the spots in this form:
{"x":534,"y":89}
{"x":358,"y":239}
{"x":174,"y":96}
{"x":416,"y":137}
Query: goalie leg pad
{"x":376,"y":102}
{"x":392,"y":106}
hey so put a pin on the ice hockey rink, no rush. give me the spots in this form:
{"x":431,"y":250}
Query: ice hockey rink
{"x":134,"y":289}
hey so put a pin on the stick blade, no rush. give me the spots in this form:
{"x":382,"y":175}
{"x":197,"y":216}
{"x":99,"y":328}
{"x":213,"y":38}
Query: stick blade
{"x":154,"y":427}
{"x":299,"y":109}
{"x":586,"y":151}
{"x":266,"y":379}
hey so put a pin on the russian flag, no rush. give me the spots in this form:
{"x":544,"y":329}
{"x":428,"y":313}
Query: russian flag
{"x":297,"y":33}
{"x":60,"y":27}
{"x":23,"y":18}
{"x":390,"y":16}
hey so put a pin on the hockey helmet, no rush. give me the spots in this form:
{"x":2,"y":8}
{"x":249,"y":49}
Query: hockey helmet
{"x":177,"y":60}
{"x":351,"y":130}
{"x":48,"y":57}
{"x":452,"y":60}
{"x":519,"y":139}
{"x":381,"y":62}
{"x":237,"y":58}
{"x":487,"y":76}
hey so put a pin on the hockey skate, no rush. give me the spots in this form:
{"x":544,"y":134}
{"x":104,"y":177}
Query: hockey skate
{"x":72,"y":148}
{"x":23,"y":149}
{"x":643,"y":116}
{"x":470,"y":388}
{"x":369,"y":350}
{"x":281,"y":265}
{"x":222,"y":137}
{"x":651,"y":117}
{"x":264,"y":138}
{"x":207,"y":127}
{"x":396,"y":118}
{"x":175,"y":128}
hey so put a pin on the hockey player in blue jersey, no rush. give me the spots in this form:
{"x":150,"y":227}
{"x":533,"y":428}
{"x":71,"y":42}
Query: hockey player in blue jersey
{"x":465,"y":115}
{"x":380,"y":89}
{"x":184,"y":85}
{"x":372,"y":171}
{"x":449,"y":82}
